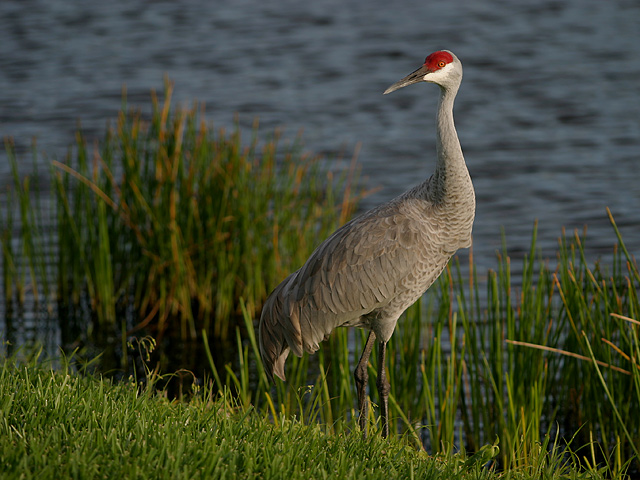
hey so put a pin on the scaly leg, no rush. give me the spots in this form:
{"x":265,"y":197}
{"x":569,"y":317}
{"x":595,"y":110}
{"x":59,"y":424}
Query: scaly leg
{"x":361,"y":375}
{"x":383,"y":389}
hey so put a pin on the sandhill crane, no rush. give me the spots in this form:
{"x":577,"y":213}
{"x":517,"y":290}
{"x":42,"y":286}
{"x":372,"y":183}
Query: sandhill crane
{"x":374,"y":267}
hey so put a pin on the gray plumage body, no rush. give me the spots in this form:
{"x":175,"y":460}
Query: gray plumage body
{"x":378,"y":264}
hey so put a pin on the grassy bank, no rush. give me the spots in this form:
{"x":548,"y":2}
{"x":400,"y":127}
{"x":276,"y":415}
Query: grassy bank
{"x":60,"y":425}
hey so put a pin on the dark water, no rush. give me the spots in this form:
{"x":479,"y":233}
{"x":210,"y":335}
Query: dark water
{"x":548,"y":113}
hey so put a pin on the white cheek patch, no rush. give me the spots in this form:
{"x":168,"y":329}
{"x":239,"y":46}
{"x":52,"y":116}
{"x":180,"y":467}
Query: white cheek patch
{"x":439,"y":75}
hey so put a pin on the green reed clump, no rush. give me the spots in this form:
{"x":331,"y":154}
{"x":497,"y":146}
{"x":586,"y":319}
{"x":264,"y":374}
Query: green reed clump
{"x":600,"y":309}
{"x":165,"y":224}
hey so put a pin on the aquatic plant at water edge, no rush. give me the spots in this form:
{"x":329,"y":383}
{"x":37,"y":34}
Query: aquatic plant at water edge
{"x":166,"y":223}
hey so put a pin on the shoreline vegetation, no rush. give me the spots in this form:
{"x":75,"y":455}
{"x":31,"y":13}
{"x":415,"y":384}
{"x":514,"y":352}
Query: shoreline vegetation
{"x":169,"y":233}
{"x":58,"y":424}
{"x":163,"y":225}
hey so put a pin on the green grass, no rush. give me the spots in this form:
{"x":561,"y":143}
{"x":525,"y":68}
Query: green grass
{"x":55,"y":424}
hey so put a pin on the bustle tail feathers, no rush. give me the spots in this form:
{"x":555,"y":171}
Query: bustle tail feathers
{"x":278,"y":334}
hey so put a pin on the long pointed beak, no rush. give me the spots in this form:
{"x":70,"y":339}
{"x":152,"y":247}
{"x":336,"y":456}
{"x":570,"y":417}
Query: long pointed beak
{"x":413,"y":77}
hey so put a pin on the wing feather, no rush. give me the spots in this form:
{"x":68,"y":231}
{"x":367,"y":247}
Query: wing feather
{"x":361,"y":265}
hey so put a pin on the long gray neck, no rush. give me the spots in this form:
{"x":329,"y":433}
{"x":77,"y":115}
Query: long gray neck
{"x":451,"y":171}
{"x":448,"y":145}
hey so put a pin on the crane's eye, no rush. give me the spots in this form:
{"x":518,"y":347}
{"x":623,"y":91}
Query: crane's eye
{"x":441,"y":64}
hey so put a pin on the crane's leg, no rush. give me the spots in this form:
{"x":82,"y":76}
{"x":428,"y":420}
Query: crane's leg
{"x":361,"y":375}
{"x":383,"y":389}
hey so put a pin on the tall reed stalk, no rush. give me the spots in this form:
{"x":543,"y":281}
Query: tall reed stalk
{"x":24,"y":263}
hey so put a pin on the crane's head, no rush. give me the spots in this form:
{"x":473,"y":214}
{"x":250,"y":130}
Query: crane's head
{"x":442,"y":68}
